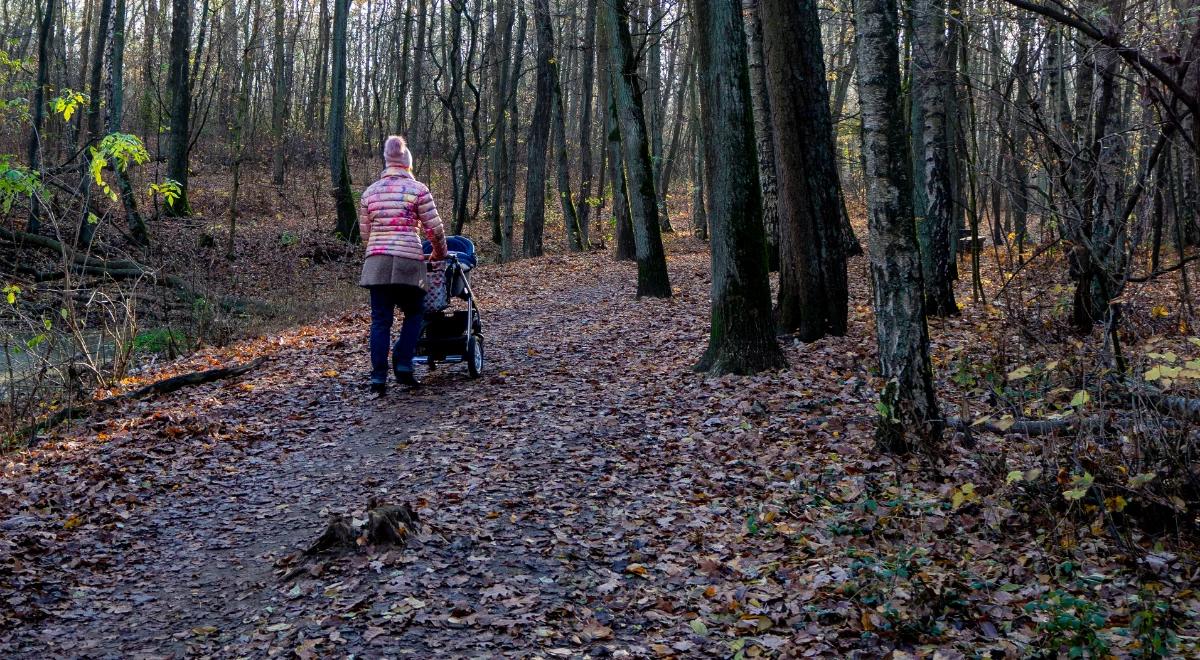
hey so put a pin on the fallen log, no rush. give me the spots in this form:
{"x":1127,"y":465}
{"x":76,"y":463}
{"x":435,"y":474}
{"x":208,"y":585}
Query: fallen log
{"x":164,"y":386}
{"x":1178,"y":407}
{"x":1032,"y":427}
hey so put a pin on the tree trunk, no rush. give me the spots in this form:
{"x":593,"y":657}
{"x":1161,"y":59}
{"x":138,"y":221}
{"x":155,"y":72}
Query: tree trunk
{"x":813,"y":293}
{"x":39,"y":110}
{"x":150,"y":64}
{"x":586,"y":83}
{"x":339,"y":168}
{"x":742,"y":335}
{"x":179,"y":82}
{"x":501,"y":92}
{"x":635,"y":152}
{"x":278,"y":98}
{"x":88,"y":221}
{"x":416,"y":128}
{"x":934,"y":210}
{"x":910,"y":406}
{"x":699,"y":196}
{"x":116,"y":117}
{"x":681,"y":104}
{"x":1098,"y":256}
{"x":402,"y":79}
{"x":539,"y":134}
{"x":763,"y":128}
{"x":510,"y":157}
{"x":316,"y":112}
{"x":562,"y":166}
{"x":654,"y":103}
{"x":240,"y":117}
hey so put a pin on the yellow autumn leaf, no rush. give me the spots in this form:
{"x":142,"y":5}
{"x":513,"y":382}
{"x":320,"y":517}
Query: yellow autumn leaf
{"x":1020,"y":372}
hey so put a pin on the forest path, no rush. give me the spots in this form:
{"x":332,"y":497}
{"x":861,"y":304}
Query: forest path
{"x":585,"y":497}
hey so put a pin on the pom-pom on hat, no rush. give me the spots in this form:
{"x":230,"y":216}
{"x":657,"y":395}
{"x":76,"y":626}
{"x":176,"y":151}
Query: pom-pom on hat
{"x":396,"y":153}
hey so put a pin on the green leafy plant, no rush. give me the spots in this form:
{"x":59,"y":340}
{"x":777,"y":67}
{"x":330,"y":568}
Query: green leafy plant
{"x":158,"y":340}
{"x":117,"y":150}
{"x":1152,"y":626}
{"x":10,"y":292}
{"x":16,"y":182}
{"x":169,"y":189}
{"x":67,"y":103}
{"x":1071,"y":624}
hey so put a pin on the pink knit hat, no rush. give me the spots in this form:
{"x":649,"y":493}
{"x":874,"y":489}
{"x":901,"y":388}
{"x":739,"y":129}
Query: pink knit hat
{"x":396,"y":153}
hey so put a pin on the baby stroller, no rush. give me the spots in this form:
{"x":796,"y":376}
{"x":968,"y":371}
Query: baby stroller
{"x":451,"y":336}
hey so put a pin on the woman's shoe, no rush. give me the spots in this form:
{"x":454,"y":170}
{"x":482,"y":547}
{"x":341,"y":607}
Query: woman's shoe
{"x":379,"y":388}
{"x":407,"y":377}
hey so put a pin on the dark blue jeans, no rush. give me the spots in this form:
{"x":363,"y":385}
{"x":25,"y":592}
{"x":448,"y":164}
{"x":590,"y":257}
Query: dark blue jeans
{"x":384,"y":300}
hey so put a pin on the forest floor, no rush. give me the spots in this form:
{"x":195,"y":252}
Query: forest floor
{"x":589,"y":496}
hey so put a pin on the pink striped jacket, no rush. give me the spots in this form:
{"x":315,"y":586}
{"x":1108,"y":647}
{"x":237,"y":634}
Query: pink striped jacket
{"x":395,"y":211}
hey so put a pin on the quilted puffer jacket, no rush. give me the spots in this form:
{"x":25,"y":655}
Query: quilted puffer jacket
{"x":396,"y":211}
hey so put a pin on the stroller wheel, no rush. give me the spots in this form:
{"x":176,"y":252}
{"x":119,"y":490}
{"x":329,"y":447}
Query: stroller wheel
{"x":475,"y":355}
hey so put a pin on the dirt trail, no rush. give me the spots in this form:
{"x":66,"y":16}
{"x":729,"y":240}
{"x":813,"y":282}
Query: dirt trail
{"x":550,"y":487}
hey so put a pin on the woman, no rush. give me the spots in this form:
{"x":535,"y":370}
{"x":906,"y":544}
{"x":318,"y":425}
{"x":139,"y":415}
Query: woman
{"x":395,"y":211}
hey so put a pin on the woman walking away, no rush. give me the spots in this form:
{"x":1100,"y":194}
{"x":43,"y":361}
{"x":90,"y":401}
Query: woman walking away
{"x":396,"y":210}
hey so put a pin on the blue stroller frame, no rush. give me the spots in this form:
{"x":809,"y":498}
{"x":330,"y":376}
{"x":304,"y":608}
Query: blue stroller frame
{"x":451,"y":337}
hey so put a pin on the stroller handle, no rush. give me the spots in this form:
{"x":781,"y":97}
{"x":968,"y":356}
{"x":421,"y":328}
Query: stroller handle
{"x":434,"y":264}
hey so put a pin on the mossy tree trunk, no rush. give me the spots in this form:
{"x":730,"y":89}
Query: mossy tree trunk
{"x":339,"y":169}
{"x":764,"y":124}
{"x":742,"y":335}
{"x":635,"y":152}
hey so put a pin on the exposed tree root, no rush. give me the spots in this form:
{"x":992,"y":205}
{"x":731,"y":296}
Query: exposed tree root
{"x":385,"y":525}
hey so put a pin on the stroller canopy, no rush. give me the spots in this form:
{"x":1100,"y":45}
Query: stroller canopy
{"x":459,"y":246}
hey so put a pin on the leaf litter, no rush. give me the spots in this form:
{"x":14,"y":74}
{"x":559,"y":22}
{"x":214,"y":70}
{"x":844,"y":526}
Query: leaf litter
{"x":590,"y":496}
